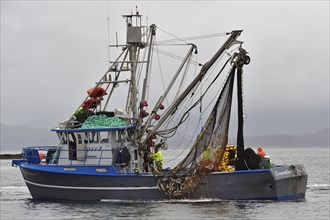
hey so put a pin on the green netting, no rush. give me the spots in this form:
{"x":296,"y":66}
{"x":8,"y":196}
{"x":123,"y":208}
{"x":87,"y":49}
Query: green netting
{"x":102,"y":121}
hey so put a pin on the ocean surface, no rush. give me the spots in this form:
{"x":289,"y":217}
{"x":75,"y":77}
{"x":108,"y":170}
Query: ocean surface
{"x":16,"y":202}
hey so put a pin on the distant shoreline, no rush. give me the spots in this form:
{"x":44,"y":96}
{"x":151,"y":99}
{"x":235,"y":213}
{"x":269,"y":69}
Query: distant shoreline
{"x":10,"y":156}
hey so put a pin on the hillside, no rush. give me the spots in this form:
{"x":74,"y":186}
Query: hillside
{"x":13,"y":138}
{"x":320,"y":138}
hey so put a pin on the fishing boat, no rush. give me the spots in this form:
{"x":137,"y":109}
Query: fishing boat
{"x":106,"y":151}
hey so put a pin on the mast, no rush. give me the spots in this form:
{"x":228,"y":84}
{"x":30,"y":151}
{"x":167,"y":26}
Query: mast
{"x":146,"y":82}
{"x":240,"y":137}
{"x":133,"y":92}
{"x":240,"y":60}
{"x":134,"y":43}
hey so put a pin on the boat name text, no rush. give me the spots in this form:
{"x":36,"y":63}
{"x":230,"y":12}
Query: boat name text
{"x":282,"y":173}
{"x":93,"y":148}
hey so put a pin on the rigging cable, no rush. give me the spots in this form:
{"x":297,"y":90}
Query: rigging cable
{"x":174,"y":129}
{"x":147,"y":17}
{"x":193,"y":38}
{"x":148,"y":68}
{"x":177,"y":94}
{"x":186,"y":114}
{"x":200,"y":108}
{"x":161,"y":74}
{"x":177,"y":38}
{"x":189,"y":38}
{"x":175,"y":56}
{"x":139,"y":73}
{"x":185,"y":148}
{"x":108,"y":34}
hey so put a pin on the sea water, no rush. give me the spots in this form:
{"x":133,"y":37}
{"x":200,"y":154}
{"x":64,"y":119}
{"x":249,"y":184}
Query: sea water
{"x":16,"y":202}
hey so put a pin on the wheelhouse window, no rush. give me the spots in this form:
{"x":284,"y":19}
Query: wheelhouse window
{"x":97,"y":137}
{"x":93,"y":137}
{"x":63,"y":137}
{"x":119,"y":136}
{"x":72,"y":146}
{"x":104,"y":136}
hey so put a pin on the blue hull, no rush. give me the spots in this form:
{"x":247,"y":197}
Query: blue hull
{"x":102,"y":182}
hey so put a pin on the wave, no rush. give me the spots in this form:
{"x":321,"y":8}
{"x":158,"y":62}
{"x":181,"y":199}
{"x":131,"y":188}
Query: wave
{"x":318,"y":186}
{"x":163,"y":201}
{"x":20,"y":188}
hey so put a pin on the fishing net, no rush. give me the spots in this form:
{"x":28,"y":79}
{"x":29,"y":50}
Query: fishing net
{"x":102,"y":121}
{"x":207,"y":151}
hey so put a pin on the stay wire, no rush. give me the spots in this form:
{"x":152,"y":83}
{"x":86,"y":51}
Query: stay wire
{"x":186,"y":70}
{"x":188,"y":38}
{"x":175,"y":56}
{"x":191,"y":140}
{"x":193,"y":38}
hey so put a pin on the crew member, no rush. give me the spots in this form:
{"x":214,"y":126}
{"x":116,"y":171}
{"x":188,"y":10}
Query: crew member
{"x":207,"y":153}
{"x":264,"y":160}
{"x":157,"y":158}
{"x":261,"y":152}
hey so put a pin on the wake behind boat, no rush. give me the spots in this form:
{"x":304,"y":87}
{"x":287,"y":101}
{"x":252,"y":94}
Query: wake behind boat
{"x":105,"y":152}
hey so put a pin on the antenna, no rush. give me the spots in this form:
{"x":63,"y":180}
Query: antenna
{"x":108,"y":34}
{"x":117,"y":39}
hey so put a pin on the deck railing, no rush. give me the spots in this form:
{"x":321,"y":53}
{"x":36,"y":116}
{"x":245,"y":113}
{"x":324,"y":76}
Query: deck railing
{"x":36,"y":154}
{"x":52,"y":155}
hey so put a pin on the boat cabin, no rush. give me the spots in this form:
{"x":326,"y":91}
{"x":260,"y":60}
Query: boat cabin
{"x":98,"y":146}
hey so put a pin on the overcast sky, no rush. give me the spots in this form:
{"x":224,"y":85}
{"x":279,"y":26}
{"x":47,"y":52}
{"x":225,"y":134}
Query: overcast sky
{"x":52,"y":51}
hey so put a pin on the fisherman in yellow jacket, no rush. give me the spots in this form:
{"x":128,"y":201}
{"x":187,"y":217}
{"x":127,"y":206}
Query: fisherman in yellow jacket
{"x":157,"y":157}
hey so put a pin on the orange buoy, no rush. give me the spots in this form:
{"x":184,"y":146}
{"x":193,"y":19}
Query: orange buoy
{"x":41,"y":155}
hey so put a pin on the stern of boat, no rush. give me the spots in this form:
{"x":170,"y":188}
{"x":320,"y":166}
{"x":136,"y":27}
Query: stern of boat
{"x":290,"y":181}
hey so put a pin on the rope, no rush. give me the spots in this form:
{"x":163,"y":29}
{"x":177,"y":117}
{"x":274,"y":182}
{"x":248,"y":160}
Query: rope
{"x":189,"y":38}
{"x":102,"y":121}
{"x":176,"y":56}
